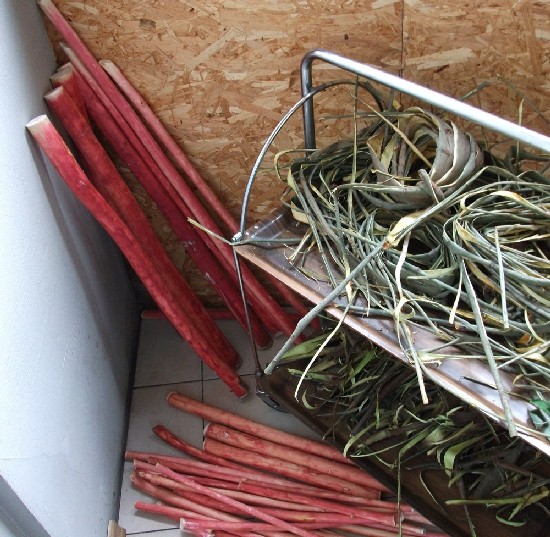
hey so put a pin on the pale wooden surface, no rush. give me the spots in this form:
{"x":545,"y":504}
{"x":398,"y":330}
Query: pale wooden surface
{"x":114,"y":530}
{"x":220,"y":74}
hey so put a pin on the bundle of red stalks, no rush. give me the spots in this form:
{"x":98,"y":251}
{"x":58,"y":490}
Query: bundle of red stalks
{"x":92,"y":96}
{"x":253,"y":480}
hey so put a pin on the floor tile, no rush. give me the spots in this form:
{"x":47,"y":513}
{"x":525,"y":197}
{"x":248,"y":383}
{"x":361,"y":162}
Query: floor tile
{"x":241,"y":342}
{"x":148,"y":409}
{"x":163,"y":356}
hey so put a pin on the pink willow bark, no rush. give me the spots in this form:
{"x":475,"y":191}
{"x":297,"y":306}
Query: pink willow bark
{"x":113,"y":188}
{"x":242,"y":475}
{"x":180,"y":158}
{"x":218,"y":415}
{"x":304,"y":500}
{"x":282,"y":512}
{"x":288,"y":469}
{"x":127,"y":145}
{"x":263,"y":303}
{"x":246,"y":509}
{"x":64,"y":162}
{"x":259,"y":445}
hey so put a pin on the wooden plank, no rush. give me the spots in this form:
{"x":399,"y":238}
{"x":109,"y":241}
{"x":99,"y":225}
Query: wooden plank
{"x":220,"y":75}
{"x":453,"y":47}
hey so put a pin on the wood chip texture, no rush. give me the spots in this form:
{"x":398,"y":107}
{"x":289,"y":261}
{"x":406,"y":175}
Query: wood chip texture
{"x":220,"y":74}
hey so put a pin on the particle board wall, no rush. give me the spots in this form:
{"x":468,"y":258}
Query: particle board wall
{"x":220,"y":74}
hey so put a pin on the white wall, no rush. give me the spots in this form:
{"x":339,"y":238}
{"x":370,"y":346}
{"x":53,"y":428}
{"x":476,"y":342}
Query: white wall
{"x":68,"y":319}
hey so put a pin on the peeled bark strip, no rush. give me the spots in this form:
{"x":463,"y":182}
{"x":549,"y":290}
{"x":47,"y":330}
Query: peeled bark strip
{"x":177,"y":154}
{"x":58,"y":153}
{"x":175,"y":513}
{"x":144,"y":167}
{"x":263,"y":303}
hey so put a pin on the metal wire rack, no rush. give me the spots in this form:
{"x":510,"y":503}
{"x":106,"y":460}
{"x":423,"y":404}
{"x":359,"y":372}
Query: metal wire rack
{"x":376,"y":331}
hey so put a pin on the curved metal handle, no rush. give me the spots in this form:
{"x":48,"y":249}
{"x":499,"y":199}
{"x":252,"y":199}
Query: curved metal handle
{"x":459,"y":108}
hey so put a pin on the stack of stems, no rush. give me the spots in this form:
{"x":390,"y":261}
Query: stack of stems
{"x":145,"y":170}
{"x":180,"y":158}
{"x":263,"y":305}
{"x":109,"y":183}
{"x":229,"y":498}
{"x":139,"y":256}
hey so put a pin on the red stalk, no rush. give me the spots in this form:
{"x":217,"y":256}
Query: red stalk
{"x":64,"y":162}
{"x":245,"y":425}
{"x":174,"y":513}
{"x":174,"y":500}
{"x":126,"y":144}
{"x":65,"y":76}
{"x":251,"y":499}
{"x":171,"y":439}
{"x":413,"y":531}
{"x":170,"y":146}
{"x":271,"y":313}
{"x":287,"y":469}
{"x":373,"y":518}
{"x":252,"y":511}
{"x":371,"y":532}
{"x":113,"y":188}
{"x":188,"y":524}
{"x":320,"y":503}
{"x":248,"y":442}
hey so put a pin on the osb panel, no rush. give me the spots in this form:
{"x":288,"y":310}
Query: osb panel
{"x":220,"y":75}
{"x":455,"y":46}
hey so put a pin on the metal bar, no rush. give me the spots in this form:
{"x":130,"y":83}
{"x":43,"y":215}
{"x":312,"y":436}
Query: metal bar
{"x":459,"y":108}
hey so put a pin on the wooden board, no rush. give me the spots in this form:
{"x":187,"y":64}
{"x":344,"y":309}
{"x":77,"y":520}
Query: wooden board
{"x":220,"y":74}
{"x":453,"y":47}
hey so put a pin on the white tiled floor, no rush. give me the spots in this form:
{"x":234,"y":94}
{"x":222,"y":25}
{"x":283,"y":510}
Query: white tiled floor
{"x":165,"y":363}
